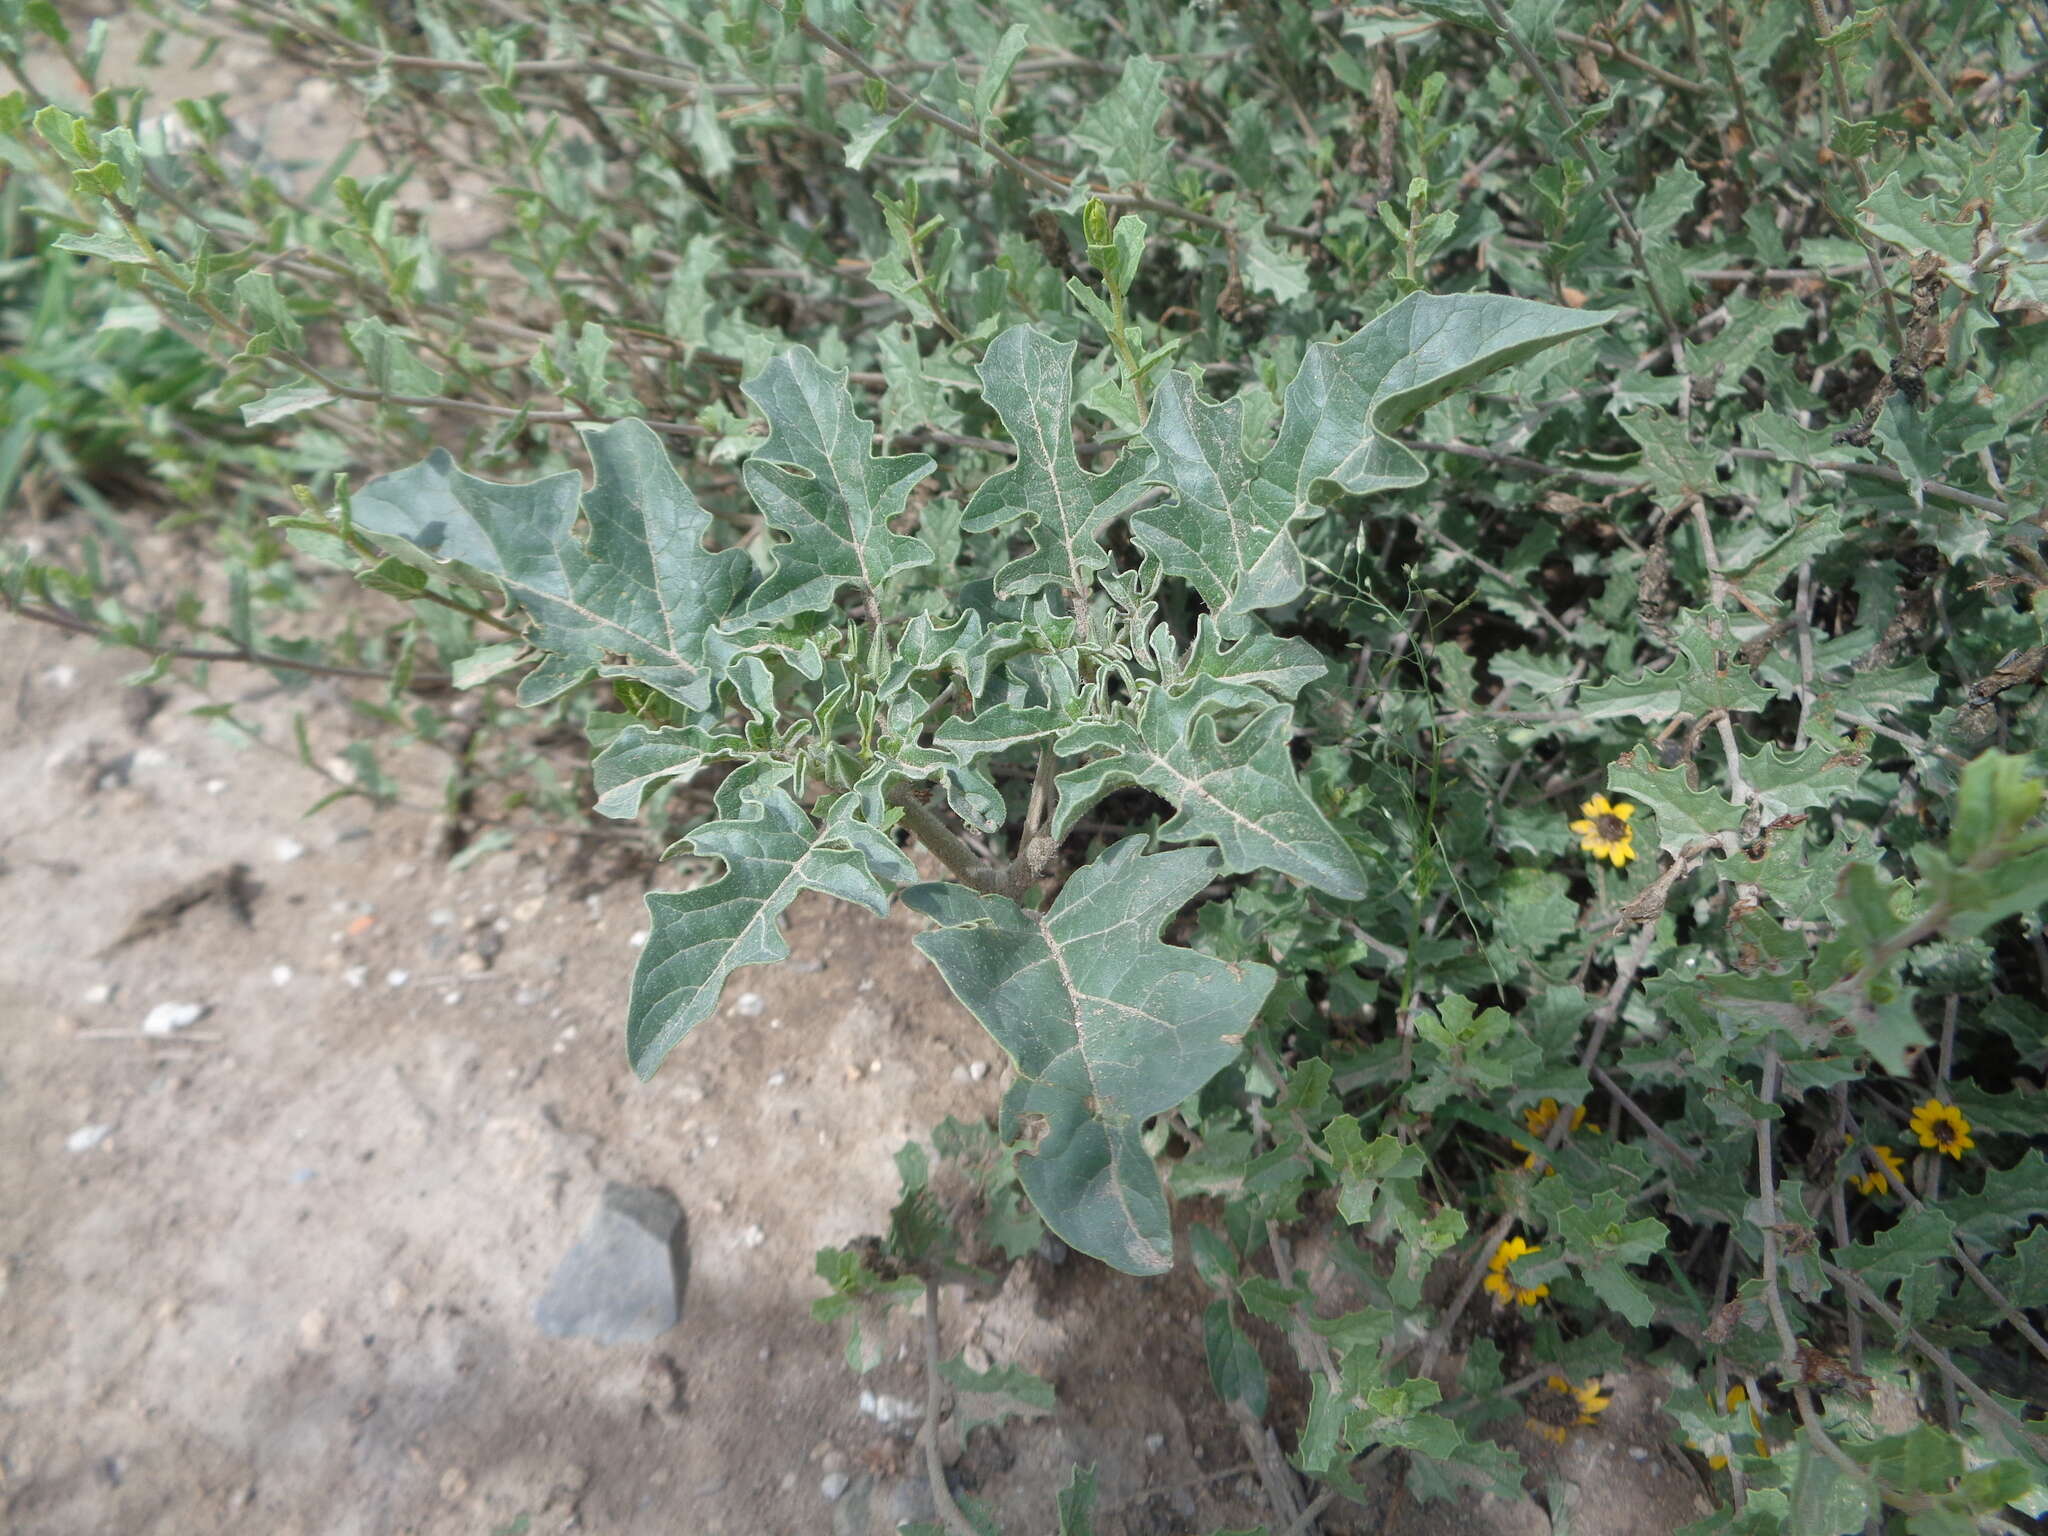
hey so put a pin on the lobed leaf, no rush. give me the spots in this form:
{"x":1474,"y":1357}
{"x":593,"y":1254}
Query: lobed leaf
{"x":1229,"y":530}
{"x":1107,"y":1026}
{"x":638,"y":598}
{"x":1241,"y":792}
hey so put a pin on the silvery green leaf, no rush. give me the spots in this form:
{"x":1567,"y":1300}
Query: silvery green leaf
{"x":819,"y":484}
{"x":1706,"y":676}
{"x":1121,"y":129}
{"x":773,"y":851}
{"x":995,"y":74}
{"x":286,"y":400}
{"x":1233,"y":780}
{"x":638,"y":597}
{"x":641,"y":758}
{"x":1229,"y":530}
{"x":1028,"y":380}
{"x":1282,"y":666}
{"x":1107,"y":1026}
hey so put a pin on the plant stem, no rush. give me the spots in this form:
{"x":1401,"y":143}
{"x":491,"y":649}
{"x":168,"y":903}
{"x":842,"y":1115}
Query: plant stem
{"x":926,"y":826}
{"x":934,"y":1463}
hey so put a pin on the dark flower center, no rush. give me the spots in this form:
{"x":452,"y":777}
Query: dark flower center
{"x":1612,"y":829}
{"x":1944,"y":1131}
{"x":1551,"y":1406}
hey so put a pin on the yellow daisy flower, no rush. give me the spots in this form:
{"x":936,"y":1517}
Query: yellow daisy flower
{"x":1942,"y":1127}
{"x":1541,"y":1118}
{"x":1875,"y":1183}
{"x":1603,"y":830}
{"x":1561,"y":1407}
{"x":1501,"y":1285}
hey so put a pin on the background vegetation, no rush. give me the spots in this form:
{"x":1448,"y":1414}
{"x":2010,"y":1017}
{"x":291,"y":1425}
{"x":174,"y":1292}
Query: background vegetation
{"x":1684,"y":723}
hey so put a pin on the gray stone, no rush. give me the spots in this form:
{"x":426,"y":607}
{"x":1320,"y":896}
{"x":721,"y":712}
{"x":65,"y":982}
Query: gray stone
{"x":623,"y":1281}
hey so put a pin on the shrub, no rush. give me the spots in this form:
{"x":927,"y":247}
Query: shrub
{"x":1456,"y":590}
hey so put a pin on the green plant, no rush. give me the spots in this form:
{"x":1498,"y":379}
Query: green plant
{"x":1543,"y":793}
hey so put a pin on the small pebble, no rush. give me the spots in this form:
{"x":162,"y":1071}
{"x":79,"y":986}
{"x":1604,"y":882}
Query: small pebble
{"x":314,"y":1330}
{"x":638,"y":939}
{"x":884,"y":1409}
{"x":775,"y":1023}
{"x":777,"y":1079}
{"x":61,"y":675}
{"x":529,"y":909}
{"x":750,"y":1005}
{"x":356,"y":975}
{"x":169,"y":1018}
{"x":287,"y":849}
{"x":397,"y":978}
{"x":832,"y":1485}
{"x":753,"y":1237}
{"x":280,"y":975}
{"x":1154,"y":1444}
{"x":977,"y":1070}
{"x":454,"y":1484}
{"x":100,"y":993}
{"x":976,"y":1359}
{"x":86,"y":1137}
{"x":216,"y":786}
{"x":451,"y":998}
{"x":441,"y":917}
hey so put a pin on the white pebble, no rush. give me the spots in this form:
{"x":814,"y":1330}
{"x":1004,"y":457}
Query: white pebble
{"x":775,"y":1023}
{"x":832,"y":1485}
{"x":750,"y":1005}
{"x":216,"y":786}
{"x":1154,"y":1444}
{"x":441,"y":917}
{"x":777,"y":1079}
{"x":451,"y":998}
{"x":754,"y":1236}
{"x":397,"y":978}
{"x":639,"y":938}
{"x":151,"y":757}
{"x":61,"y":675}
{"x":867,"y":984}
{"x":99,"y":993}
{"x":356,"y":975}
{"x":884,"y":1409}
{"x":287,"y":849}
{"x":280,"y":975}
{"x":86,"y":1137}
{"x":169,"y":1018}
{"x":977,"y":1070}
